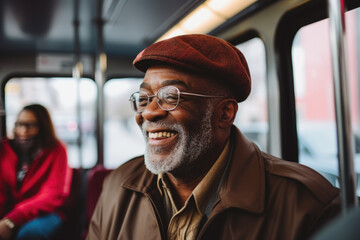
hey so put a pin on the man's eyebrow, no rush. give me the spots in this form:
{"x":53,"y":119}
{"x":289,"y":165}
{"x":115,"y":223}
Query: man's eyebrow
{"x":165,"y":83}
{"x":144,"y":85}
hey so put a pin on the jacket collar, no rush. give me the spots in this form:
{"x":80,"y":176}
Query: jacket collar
{"x":243,"y":187}
{"x":142,"y":180}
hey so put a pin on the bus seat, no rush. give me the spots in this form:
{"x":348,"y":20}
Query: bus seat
{"x":73,"y":209}
{"x":345,"y":227}
{"x":95,"y":180}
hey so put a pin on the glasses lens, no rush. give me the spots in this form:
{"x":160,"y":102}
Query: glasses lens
{"x":168,"y":97}
{"x":139,"y":100}
{"x":133,"y":101}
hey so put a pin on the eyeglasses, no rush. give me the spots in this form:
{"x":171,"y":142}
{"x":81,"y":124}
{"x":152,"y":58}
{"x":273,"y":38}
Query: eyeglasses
{"x":27,"y":125}
{"x":168,"y":98}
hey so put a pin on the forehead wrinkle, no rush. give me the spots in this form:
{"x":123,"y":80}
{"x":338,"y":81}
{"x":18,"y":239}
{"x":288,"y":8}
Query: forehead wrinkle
{"x":174,"y":82}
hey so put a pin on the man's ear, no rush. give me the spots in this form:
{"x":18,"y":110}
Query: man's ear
{"x":227,"y":109}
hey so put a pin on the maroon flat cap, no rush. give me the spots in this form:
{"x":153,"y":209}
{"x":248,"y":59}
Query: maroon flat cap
{"x":204,"y":54}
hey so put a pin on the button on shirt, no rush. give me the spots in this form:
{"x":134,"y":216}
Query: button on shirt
{"x":186,"y":222}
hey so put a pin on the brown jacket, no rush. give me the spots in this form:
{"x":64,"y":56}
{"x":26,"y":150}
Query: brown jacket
{"x":262,"y":197}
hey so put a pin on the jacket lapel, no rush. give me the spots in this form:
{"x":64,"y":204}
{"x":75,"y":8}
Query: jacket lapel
{"x":141,"y":181}
{"x":244,"y":187}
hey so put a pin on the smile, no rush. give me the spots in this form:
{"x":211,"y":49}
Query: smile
{"x":162,"y":134}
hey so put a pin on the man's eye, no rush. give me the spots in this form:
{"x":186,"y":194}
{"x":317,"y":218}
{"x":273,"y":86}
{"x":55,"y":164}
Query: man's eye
{"x":143,"y":101}
{"x":171,"y":97}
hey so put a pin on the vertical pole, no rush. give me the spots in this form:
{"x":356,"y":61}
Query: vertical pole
{"x":100,"y":69}
{"x":77,"y":72}
{"x":357,"y":12}
{"x":336,"y":10}
{"x":2,"y":117}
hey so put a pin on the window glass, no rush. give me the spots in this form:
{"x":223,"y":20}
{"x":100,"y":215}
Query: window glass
{"x":123,"y":139}
{"x":252,"y":117}
{"x":59,"y":96}
{"x":314,"y":93}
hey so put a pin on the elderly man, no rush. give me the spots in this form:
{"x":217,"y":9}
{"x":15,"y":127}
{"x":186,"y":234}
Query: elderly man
{"x":202,"y":179}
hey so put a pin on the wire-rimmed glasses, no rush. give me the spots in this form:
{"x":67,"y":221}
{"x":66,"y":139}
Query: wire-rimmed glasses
{"x":27,"y":125}
{"x":168,"y":98}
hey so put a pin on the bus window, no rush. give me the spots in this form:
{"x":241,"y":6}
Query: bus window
{"x":122,"y":137}
{"x":252,"y":117}
{"x":314,"y":95}
{"x":59,"y":96}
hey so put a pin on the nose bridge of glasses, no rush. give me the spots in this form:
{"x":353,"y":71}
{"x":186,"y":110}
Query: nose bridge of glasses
{"x":151,"y":100}
{"x":153,"y":110}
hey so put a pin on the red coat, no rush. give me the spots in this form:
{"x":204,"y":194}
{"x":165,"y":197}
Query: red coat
{"x":44,"y":189}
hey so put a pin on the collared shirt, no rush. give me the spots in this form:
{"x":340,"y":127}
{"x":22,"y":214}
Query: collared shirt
{"x":186,"y":222}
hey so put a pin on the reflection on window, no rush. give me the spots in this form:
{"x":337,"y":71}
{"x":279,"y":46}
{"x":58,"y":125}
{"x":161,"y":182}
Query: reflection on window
{"x":122,"y":136}
{"x":314,"y":94}
{"x":59,"y":96}
{"x":252,"y":117}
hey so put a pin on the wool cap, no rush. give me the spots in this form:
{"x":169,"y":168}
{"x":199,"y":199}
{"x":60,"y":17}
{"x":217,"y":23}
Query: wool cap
{"x":204,"y":54}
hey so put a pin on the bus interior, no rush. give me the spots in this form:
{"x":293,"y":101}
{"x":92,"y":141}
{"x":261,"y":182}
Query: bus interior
{"x":75,"y":57}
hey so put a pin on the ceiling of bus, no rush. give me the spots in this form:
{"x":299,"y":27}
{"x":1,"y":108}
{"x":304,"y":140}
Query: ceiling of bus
{"x":48,"y":25}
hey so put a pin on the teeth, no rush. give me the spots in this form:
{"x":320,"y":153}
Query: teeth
{"x":161,"y":135}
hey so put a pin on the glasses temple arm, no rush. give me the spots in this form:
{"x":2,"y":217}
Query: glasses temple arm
{"x":200,"y":95}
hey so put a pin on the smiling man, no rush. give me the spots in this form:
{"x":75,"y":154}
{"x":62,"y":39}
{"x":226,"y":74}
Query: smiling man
{"x":200,"y":178}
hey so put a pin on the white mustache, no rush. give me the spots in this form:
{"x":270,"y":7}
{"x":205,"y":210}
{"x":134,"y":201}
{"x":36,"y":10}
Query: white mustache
{"x":172,"y":126}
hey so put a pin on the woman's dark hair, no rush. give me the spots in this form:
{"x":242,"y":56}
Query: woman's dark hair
{"x":47,"y":136}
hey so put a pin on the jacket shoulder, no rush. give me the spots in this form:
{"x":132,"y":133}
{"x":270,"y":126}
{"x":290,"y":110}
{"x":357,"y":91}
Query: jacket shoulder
{"x":318,"y":185}
{"x":60,"y":146}
{"x":4,"y":142}
{"x":5,"y":147}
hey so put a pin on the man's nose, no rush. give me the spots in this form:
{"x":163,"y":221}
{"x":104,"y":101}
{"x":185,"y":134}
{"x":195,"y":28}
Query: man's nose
{"x":153,"y":111}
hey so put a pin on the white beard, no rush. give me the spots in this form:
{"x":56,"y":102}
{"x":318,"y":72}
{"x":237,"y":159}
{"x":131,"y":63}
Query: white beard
{"x":187,"y":150}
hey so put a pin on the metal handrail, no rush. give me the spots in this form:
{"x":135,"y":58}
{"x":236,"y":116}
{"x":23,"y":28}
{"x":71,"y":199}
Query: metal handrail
{"x":336,"y":10}
{"x":100,"y":77}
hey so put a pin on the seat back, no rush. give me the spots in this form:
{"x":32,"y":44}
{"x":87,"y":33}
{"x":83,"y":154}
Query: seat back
{"x":73,"y":209}
{"x":95,"y":180}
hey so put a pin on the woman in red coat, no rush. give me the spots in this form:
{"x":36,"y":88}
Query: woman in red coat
{"x":34,"y":178}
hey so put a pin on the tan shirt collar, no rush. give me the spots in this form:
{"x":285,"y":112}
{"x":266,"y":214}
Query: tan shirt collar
{"x":208,"y":185}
